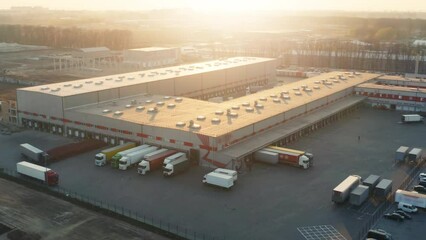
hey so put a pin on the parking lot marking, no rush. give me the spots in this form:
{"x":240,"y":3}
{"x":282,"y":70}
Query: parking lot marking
{"x":320,"y":232}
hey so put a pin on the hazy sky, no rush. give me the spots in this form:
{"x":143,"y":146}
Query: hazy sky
{"x":233,"y":5}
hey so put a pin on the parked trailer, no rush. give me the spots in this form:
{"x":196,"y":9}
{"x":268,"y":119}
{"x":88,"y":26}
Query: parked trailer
{"x":72,"y":149}
{"x":219,"y":179}
{"x":411,"y":118}
{"x":33,"y":154}
{"x":341,"y":192}
{"x":371,"y":182}
{"x":105,"y":155}
{"x":228,"y":172}
{"x":383,"y":189}
{"x":154,"y":162}
{"x":43,"y":174}
{"x":266,"y":157}
{"x":413,"y":198}
{"x":134,"y":158}
{"x":116,"y":158}
{"x":292,"y":157}
{"x":401,"y":153}
{"x":175,"y":167}
{"x":415,"y":154}
{"x":359,"y":195}
{"x":176,"y":156}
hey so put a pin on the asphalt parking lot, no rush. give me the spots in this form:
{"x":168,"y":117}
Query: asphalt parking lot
{"x":270,"y":202}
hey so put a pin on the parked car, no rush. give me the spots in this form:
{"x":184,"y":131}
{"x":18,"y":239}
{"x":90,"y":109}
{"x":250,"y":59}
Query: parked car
{"x":422,"y":176}
{"x":394,"y":216}
{"x":407,"y":207}
{"x":422,"y":183}
{"x":404,"y":214}
{"x":420,"y":189}
{"x":379,"y":234}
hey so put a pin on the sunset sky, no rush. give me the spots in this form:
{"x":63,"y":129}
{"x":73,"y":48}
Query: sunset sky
{"x":231,"y":5}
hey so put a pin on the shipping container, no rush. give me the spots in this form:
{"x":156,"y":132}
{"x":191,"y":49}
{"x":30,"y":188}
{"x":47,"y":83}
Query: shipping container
{"x":415,"y":154}
{"x":383,"y":189}
{"x":401,"y":154}
{"x":371,"y":181}
{"x":359,"y":195}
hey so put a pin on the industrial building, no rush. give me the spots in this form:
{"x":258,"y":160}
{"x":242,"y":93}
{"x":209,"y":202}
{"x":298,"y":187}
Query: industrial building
{"x":166,"y":107}
{"x":151,"y":57}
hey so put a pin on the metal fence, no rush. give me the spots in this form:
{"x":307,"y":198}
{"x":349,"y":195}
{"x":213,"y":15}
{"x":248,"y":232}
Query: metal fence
{"x":362,"y":234}
{"x":151,"y":223}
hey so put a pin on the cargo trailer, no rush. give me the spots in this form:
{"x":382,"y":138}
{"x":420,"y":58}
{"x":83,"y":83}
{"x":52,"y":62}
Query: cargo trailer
{"x":154,"y":162}
{"x":411,"y":118}
{"x":176,"y":156}
{"x":286,"y":156}
{"x":371,"y":182}
{"x":401,"y":154}
{"x":413,"y":198}
{"x":228,"y":172}
{"x":116,"y":158}
{"x":175,"y":167}
{"x":134,"y":158}
{"x":266,"y":157}
{"x":383,"y":189}
{"x":33,"y":154}
{"x":218,"y":179}
{"x":342,"y":191}
{"x":72,"y":149}
{"x":359,"y":195}
{"x":415,"y":155}
{"x":40,"y":173}
{"x":105,"y":155}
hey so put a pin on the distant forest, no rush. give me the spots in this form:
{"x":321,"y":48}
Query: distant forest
{"x":60,"y":37}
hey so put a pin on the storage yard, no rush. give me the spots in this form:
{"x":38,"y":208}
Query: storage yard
{"x":282,"y":190}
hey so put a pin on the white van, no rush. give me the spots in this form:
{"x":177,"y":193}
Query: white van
{"x":407,"y":207}
{"x":231,"y":173}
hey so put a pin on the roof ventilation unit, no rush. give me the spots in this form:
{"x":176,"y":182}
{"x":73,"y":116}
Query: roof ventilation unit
{"x":245,"y":104}
{"x":308,"y":90}
{"x":178,"y":99}
{"x":133,"y":102}
{"x":152,"y":110}
{"x":55,"y":90}
{"x":336,"y":81}
{"x":276,"y":100}
{"x":44,"y":88}
{"x":160,"y":103}
{"x":148,"y":101}
{"x":262,"y":99}
{"x":118,"y":80}
{"x":219,"y":112}
{"x":317,"y":82}
{"x":296,"y":89}
{"x":78,"y":86}
{"x":201,"y":118}
{"x":171,"y":105}
{"x":215,"y":120}
{"x":128,"y":106}
{"x":118,"y":113}
{"x":285,"y":96}
{"x":316,"y":87}
{"x":99,"y":83}
{"x":273,"y":95}
{"x":106,"y":111}
{"x":284,"y":92}
{"x":233,"y":114}
{"x":142,"y":74}
{"x":235,"y":107}
{"x":166,"y":97}
{"x":259,"y":105}
{"x":121,"y":77}
{"x":297,"y":93}
{"x":108,"y":79}
{"x":140,"y":108}
{"x":130,"y":78}
{"x":88,"y":82}
{"x":68,"y":85}
{"x":180,"y":124}
{"x":249,"y":109}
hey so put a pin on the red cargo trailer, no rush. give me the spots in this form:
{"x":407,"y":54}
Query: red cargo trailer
{"x":152,"y":163}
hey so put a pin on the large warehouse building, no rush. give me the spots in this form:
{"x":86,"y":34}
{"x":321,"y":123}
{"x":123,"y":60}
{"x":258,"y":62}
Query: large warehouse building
{"x":165,"y":107}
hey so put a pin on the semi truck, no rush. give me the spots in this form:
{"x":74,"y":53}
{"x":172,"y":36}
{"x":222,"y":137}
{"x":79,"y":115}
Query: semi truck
{"x":134,"y":158}
{"x":341,"y":192}
{"x":176,"y":166}
{"x":415,"y":154}
{"x":287,"y":156}
{"x":116,"y":158}
{"x":219,"y":179}
{"x":359,"y":195}
{"x":401,"y":153}
{"x":40,"y":173}
{"x":33,"y":154}
{"x":154,"y":162}
{"x":105,"y":155}
{"x":411,"y":118}
{"x":266,"y":157}
{"x":173,"y":157}
{"x":383,"y":189}
{"x":228,"y":172}
{"x":413,"y":198}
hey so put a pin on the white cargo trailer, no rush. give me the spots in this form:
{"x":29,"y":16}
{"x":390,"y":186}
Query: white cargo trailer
{"x":218,"y":179}
{"x":134,"y":158}
{"x":409,"y":118}
{"x":413,"y":198}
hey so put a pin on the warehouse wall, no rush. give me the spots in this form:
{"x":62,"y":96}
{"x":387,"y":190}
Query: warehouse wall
{"x":39,"y":103}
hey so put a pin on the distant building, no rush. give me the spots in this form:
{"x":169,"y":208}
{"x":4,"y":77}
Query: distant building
{"x":419,"y":43}
{"x":151,"y":57}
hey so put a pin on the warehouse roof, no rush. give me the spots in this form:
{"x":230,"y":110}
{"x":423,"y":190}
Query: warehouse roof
{"x":399,"y":78}
{"x":149,"y":49}
{"x":391,"y":87}
{"x":212,"y":117}
{"x":76,"y":87}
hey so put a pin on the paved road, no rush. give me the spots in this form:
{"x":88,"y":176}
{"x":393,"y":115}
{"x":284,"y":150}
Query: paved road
{"x":270,"y":202}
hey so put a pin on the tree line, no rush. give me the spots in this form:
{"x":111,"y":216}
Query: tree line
{"x":60,"y":37}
